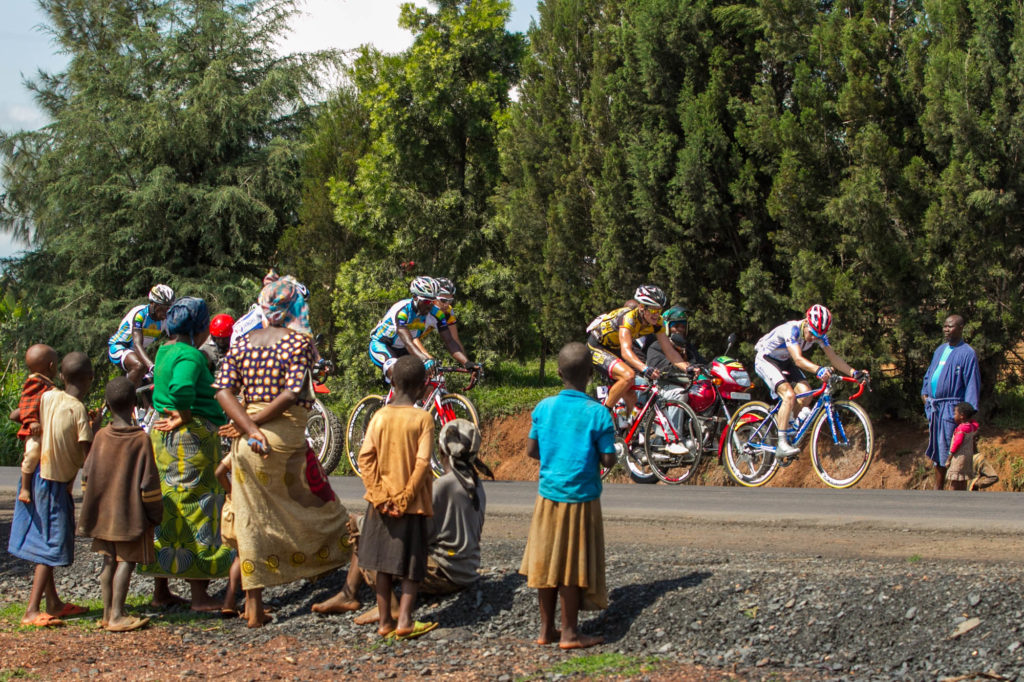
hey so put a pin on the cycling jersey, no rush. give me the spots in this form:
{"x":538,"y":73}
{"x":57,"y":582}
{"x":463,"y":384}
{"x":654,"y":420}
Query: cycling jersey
{"x":404,"y":314}
{"x":773,"y":344}
{"x":605,"y":329}
{"x":137,"y":318}
{"x":252,"y":320}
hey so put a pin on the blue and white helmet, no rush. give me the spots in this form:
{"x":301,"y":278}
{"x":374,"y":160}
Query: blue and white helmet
{"x":445,"y":286}
{"x":424,"y":287}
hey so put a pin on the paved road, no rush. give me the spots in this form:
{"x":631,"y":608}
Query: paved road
{"x":792,"y":507}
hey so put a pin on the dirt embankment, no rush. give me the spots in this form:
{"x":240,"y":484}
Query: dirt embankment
{"x":899,"y":462}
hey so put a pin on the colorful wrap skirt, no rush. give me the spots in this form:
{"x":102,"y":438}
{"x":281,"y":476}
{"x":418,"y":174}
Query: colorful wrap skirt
{"x":188,"y":543}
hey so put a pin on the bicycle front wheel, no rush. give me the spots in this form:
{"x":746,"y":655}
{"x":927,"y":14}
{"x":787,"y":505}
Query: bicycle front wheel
{"x":841,"y":449}
{"x":672,"y":440}
{"x":355,"y":430}
{"x":453,"y":406}
{"x":747,"y":460}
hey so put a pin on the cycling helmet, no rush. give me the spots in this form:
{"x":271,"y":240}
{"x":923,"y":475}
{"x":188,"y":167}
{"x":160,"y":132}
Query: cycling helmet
{"x":650,"y":295}
{"x":161,"y":294}
{"x":674,"y":315}
{"x":221,"y":326}
{"x":424,"y":287}
{"x":445,"y":286}
{"x":819,"y":319}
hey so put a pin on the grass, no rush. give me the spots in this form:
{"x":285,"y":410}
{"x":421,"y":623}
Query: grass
{"x":511,"y":387}
{"x":1009,"y":397}
{"x":1016,"y":482}
{"x":914,"y":558}
{"x":604,"y":664}
{"x":136,"y":603}
{"x":13,"y":673}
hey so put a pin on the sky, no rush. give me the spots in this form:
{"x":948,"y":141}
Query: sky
{"x":25,"y":48}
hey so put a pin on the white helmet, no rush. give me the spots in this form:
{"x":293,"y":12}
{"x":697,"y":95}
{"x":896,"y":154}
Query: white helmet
{"x":424,"y":287}
{"x":445,"y":286}
{"x":650,"y":295}
{"x":161,"y":294}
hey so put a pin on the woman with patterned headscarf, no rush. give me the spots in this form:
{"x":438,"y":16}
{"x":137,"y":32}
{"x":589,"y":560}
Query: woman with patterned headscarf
{"x":187,"y":450}
{"x":288,"y":523}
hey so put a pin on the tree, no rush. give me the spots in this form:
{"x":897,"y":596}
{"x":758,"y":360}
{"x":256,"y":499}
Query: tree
{"x":172,"y":156}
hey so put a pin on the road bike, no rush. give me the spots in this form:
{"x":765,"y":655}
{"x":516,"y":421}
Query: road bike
{"x":664,"y":441}
{"x":842,"y":438}
{"x":444,"y":407}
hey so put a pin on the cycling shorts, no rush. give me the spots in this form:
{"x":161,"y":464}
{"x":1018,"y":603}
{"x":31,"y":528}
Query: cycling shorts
{"x":603,"y":358}
{"x":384,"y":356}
{"x":117,"y":353}
{"x":774,"y":372}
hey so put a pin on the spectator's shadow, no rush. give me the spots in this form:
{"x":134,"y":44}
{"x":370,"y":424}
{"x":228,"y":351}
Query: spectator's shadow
{"x":464,"y":609}
{"x":627,"y":602}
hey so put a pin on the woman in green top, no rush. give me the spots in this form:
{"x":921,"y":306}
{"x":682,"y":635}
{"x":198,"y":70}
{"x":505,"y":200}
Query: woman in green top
{"x":187,"y":450}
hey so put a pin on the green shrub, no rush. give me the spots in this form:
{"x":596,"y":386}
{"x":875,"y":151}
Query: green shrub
{"x":11,"y":448}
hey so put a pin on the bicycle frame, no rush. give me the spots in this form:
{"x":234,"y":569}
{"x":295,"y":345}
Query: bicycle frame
{"x":823,"y":404}
{"x":436,"y":382}
{"x":654,"y":389}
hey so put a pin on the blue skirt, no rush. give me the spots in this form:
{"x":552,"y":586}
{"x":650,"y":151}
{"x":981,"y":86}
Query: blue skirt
{"x":43,"y":532}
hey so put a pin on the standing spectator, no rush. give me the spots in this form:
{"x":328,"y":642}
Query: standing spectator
{"x":187,"y":449}
{"x":287,"y":521}
{"x":121,"y":503}
{"x":572,"y":436}
{"x":395,"y":465}
{"x":962,"y":449}
{"x":43,"y":531}
{"x":953,"y":377}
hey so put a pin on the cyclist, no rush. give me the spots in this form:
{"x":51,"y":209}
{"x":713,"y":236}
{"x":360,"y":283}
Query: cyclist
{"x":143,"y":325}
{"x":780,"y":361}
{"x":611,"y":346}
{"x":220,"y":339}
{"x":400,"y":330}
{"x":446,"y":304}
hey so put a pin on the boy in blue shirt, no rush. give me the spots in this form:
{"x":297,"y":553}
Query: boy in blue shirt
{"x":572,"y":436}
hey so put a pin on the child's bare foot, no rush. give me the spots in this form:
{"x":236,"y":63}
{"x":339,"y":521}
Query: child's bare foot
{"x":25,"y":496}
{"x":258,"y":619}
{"x":204,"y":603}
{"x":581,"y":642}
{"x":164,"y":598}
{"x":549,"y":638}
{"x":339,"y":603}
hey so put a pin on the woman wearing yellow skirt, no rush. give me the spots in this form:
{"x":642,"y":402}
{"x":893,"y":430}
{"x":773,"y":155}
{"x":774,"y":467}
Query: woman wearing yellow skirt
{"x":288,"y":523}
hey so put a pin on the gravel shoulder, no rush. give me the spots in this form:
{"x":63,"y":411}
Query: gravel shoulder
{"x":691,"y":599}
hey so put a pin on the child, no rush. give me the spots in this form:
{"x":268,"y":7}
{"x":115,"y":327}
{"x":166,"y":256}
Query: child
{"x":395,"y":465}
{"x":121,"y":503}
{"x":227,"y":535}
{"x":572,"y":436}
{"x":43,"y":532}
{"x":42,"y":363}
{"x":961,"y":448}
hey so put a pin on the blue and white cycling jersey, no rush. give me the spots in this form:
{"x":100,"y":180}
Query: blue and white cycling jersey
{"x":254,"y":319}
{"x":404,"y":314}
{"x":773,"y":344}
{"x":137,"y":318}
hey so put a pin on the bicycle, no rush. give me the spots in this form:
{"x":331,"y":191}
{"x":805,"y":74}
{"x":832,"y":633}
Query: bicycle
{"x":840,"y":461}
{"x":664,"y":439}
{"x":443,"y":405}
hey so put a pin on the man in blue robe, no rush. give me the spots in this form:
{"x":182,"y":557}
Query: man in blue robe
{"x":953,"y":377}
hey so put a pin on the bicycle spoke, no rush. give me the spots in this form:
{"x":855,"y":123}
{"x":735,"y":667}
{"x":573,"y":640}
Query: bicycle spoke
{"x":842,"y":444}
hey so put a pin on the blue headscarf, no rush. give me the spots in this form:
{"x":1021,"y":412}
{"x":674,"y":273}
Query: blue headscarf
{"x":187,"y":317}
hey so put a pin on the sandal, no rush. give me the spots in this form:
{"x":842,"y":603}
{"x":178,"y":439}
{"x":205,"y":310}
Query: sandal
{"x":70,"y":609}
{"x":418,"y":630}
{"x":43,"y":620}
{"x":132,"y":624}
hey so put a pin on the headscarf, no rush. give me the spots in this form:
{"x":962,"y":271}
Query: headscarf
{"x":459,"y":440}
{"x":187,"y":317}
{"x":284,"y":305}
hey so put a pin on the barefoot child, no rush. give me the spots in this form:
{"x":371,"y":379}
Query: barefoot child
{"x":121,"y":503}
{"x":42,"y":363}
{"x":395,"y":464}
{"x":960,"y":466}
{"x":227,"y":536}
{"x":43,"y":531}
{"x":572,"y":436}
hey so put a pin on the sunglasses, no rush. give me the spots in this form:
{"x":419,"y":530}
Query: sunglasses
{"x":446,"y":301}
{"x":653,"y":311}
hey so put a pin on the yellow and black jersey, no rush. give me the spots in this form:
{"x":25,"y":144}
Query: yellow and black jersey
{"x":606,"y":328}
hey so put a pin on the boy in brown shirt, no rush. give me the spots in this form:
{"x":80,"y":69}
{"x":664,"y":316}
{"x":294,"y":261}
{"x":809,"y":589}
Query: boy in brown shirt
{"x":122,"y":503}
{"x":395,"y":466}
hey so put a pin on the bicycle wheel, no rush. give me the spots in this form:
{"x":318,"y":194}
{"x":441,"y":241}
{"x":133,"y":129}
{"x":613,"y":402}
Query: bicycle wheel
{"x":841,"y":458}
{"x":453,"y":406}
{"x":637,"y":466}
{"x":746,"y":459}
{"x":672,"y":441}
{"x":325,"y":436}
{"x":355,"y":430}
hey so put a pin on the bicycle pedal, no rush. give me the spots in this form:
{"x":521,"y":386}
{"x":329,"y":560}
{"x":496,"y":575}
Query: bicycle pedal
{"x":786,"y":461}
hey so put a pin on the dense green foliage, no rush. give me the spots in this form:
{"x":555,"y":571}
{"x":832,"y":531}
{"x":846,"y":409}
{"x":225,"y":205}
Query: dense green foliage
{"x":172,"y":156}
{"x":751,"y":158}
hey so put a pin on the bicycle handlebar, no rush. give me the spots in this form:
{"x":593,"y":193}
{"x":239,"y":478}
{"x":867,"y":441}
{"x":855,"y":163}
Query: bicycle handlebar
{"x":476,"y":374}
{"x":862,"y":382}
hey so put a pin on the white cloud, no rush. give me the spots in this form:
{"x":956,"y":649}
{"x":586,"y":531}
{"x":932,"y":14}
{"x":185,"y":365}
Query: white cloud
{"x":345,"y":25}
{"x":20,"y":116}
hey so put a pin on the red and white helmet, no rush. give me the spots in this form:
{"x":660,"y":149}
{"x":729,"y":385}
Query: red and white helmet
{"x":819,"y":319}
{"x":650,"y":296}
